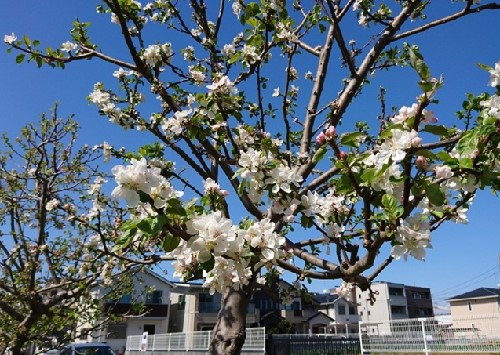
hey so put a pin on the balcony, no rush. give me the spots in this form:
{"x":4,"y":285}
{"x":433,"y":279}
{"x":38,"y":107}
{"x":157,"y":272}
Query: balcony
{"x":147,"y":310}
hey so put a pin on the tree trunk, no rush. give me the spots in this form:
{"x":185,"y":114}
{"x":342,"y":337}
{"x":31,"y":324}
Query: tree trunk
{"x":229,"y":331}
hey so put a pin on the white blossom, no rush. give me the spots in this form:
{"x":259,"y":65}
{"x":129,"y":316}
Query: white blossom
{"x":413,"y":237}
{"x":52,"y":204}
{"x":156,"y":54}
{"x":68,"y":46}
{"x":9,"y":39}
{"x":493,"y":106}
{"x":495,"y":75}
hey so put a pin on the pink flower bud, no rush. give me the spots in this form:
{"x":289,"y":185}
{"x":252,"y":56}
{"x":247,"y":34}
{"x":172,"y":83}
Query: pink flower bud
{"x":342,"y":155}
{"x":415,"y":142}
{"x":246,"y":174}
{"x":330,"y":132}
{"x":321,"y":138}
{"x":223,"y":193}
{"x":421,"y":162}
{"x":443,"y":172}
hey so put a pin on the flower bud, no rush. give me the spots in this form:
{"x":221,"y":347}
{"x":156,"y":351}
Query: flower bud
{"x":421,"y":162}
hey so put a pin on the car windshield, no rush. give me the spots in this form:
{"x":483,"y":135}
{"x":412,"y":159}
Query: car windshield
{"x":94,"y":350}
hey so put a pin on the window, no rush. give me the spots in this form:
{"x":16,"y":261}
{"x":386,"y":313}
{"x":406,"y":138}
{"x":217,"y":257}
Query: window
{"x":421,"y":295}
{"x":117,"y":331}
{"x":154,"y":297}
{"x":125,"y":298}
{"x":341,"y":309}
{"x":396,"y":291}
{"x":352,"y":310}
{"x":361,"y":313}
{"x":297,"y":312}
{"x":398,"y":309}
{"x":181,"y":302}
{"x":469,"y":306}
{"x":150,"y":328}
{"x":208,"y":303}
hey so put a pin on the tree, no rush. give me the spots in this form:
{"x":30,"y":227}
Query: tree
{"x":303,"y":175}
{"x":52,"y":219}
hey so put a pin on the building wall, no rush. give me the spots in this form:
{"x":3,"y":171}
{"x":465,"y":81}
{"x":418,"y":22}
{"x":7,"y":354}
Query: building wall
{"x":476,"y":317}
{"x":419,"y":301}
{"x":141,"y":284}
{"x":190,"y":317}
{"x":475,"y":306}
{"x":395,"y":301}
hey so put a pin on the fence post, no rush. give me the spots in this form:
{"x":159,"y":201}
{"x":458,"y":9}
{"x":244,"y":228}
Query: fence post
{"x":422,"y":321}
{"x":360,"y":336}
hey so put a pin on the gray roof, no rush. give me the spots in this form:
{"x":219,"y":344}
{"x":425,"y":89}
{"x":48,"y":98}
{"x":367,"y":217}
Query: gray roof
{"x":325,"y":298}
{"x":482,"y":292}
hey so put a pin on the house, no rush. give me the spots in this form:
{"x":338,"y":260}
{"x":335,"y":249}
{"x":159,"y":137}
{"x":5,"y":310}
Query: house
{"x":144,"y":308}
{"x":476,"y":313}
{"x":273,"y":311}
{"x":343,"y":314}
{"x":194,"y":308}
{"x":394,"y":301}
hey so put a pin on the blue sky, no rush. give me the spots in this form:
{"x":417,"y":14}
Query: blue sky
{"x":463,"y":257}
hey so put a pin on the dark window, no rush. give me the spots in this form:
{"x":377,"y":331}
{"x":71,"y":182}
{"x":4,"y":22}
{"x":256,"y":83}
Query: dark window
{"x":396,"y":291}
{"x":125,"y":298}
{"x":469,"y":306}
{"x":181,"y":304}
{"x":208,"y":303}
{"x":352,"y":310}
{"x":341,"y":309}
{"x":398,"y":309}
{"x":421,"y":295}
{"x":150,"y":328}
{"x":154,"y":297}
{"x":117,"y":331}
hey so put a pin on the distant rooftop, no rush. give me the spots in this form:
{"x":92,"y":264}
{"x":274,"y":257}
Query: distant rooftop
{"x":482,"y":292}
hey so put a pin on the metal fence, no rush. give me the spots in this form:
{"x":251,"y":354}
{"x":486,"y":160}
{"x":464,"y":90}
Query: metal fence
{"x":311,"y":344}
{"x":191,"y":343}
{"x":479,"y":334}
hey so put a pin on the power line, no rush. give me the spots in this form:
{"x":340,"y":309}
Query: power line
{"x":467,"y":283}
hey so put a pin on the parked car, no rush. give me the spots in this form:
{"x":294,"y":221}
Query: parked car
{"x":87,"y":349}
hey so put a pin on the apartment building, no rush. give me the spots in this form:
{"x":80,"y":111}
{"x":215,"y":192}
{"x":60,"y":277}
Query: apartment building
{"x":394,"y":301}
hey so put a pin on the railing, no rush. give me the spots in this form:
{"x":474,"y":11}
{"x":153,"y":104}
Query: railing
{"x":192,"y":342}
{"x":478,"y":334}
{"x":299,"y":344}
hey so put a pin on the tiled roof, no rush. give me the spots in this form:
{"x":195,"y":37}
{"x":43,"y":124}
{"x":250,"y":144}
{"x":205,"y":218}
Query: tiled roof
{"x":478,"y":293}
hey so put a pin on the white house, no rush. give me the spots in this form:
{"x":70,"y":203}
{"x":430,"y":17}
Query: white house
{"x":145,"y":309}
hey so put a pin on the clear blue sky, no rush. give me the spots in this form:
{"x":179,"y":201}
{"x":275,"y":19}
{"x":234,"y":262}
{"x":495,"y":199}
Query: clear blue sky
{"x":463,"y":257}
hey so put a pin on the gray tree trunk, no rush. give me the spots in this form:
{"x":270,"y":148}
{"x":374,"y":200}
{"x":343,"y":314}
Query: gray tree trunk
{"x":229,"y":331}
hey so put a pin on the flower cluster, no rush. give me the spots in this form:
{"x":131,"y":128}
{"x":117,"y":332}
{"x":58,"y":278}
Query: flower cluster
{"x":413,"y":236}
{"x":214,"y":237}
{"x":157,"y":55}
{"x":140,"y":177}
{"x":493,"y":102}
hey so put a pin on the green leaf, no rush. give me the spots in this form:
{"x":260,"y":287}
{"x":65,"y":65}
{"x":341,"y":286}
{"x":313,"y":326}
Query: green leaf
{"x":351,"y":139}
{"x":435,"y":194}
{"x":20,"y":58}
{"x":441,"y":130}
{"x":417,"y":63}
{"x":209,"y":265}
{"x":320,"y":153}
{"x":27,"y":41}
{"x":389,"y":202}
{"x":170,"y":243}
